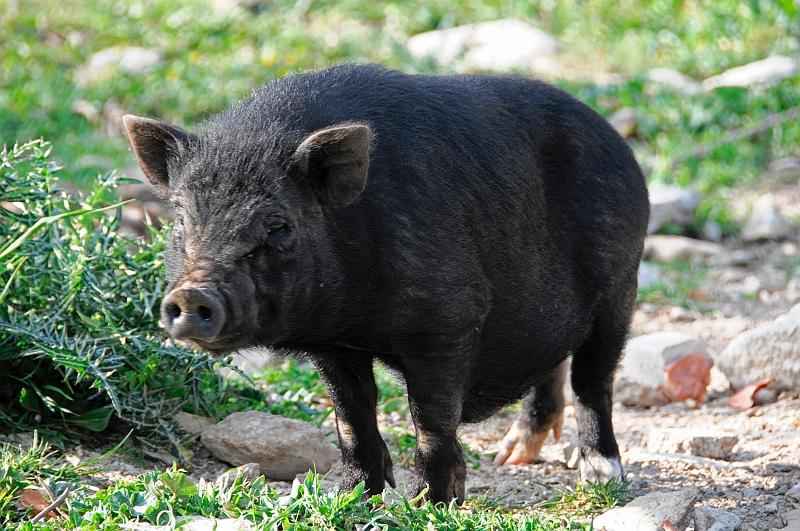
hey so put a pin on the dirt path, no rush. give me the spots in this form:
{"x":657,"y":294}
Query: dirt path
{"x":764,"y":465}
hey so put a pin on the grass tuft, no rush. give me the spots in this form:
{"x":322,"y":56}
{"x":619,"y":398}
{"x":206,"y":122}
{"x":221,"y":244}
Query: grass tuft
{"x":589,"y":498}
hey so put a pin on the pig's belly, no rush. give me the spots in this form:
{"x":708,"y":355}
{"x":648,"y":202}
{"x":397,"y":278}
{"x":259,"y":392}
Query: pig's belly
{"x":517,"y":353}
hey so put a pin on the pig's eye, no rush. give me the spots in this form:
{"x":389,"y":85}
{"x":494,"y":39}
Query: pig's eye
{"x":276,"y":231}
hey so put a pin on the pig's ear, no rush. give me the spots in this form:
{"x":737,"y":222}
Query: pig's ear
{"x":154,"y":143}
{"x":334,"y":161}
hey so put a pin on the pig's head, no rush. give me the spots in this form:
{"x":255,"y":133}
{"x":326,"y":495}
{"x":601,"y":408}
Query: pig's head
{"x":249,"y":253}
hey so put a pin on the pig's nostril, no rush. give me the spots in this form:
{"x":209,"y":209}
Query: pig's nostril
{"x":193,"y":313}
{"x":204,"y":312}
{"x":174,"y":311}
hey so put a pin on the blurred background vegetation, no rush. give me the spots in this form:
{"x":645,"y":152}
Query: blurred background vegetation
{"x":208,"y":54}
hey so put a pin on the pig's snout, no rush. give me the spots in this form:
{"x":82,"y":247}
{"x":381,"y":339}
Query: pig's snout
{"x":193,"y":313}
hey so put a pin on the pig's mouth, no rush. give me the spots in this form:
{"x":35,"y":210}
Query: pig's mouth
{"x":221,"y":345}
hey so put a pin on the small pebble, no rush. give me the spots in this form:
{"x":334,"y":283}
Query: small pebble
{"x":764,"y":396}
{"x":781,"y":467}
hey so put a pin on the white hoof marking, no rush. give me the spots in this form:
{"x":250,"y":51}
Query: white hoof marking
{"x":597,"y":468}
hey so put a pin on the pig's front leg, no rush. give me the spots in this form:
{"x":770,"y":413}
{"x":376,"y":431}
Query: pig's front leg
{"x":435,"y":389}
{"x":351,"y":384}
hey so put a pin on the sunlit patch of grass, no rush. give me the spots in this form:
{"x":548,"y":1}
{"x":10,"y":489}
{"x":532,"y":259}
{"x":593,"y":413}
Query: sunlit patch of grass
{"x":679,"y":283}
{"x":42,"y":467}
{"x":392,"y":396}
{"x":292,"y":389}
{"x":170,"y":497}
{"x":587,"y":499}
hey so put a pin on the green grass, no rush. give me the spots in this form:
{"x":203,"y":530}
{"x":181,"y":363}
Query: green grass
{"x":290,"y":389}
{"x":680,"y":283}
{"x":169,"y":497}
{"x":36,"y":466}
{"x":588,"y":498}
{"x":293,"y":389}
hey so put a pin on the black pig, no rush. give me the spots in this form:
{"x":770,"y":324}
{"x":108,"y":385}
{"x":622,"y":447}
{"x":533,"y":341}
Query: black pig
{"x":470,"y":232}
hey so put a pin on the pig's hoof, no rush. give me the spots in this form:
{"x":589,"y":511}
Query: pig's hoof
{"x":597,"y":468}
{"x":450,"y":487}
{"x":455,"y":490}
{"x":373,"y":479}
{"x":522,"y":444}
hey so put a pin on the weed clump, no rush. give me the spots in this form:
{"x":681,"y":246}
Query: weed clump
{"x":80,"y":346}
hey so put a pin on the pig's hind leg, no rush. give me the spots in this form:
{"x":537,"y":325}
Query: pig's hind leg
{"x":593,"y":366}
{"x":542,"y":412}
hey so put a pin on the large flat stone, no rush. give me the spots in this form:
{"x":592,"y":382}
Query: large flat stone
{"x":649,"y":512}
{"x":282,"y":447}
{"x":768,"y":351}
{"x":495,"y":45}
{"x":693,"y":441}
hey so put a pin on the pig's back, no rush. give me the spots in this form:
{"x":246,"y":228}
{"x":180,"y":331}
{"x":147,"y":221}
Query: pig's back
{"x":483,"y":188}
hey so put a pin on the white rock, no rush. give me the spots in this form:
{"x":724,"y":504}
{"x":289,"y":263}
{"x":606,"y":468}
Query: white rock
{"x":664,"y":248}
{"x":771,"y":350}
{"x":764,"y":72}
{"x":648,"y":512}
{"x":711,"y":231}
{"x":765,"y":396}
{"x":131,"y":59}
{"x":496,"y":45}
{"x":751,"y":285}
{"x":681,"y":314}
{"x":647,"y":275}
{"x":572,"y":453}
{"x":792,"y":519}
{"x":713,"y":519}
{"x":641,"y":376}
{"x":670,"y":204}
{"x":282,"y":447}
{"x":719,"y":384}
{"x":675,"y":80}
{"x":25,"y":440}
{"x":765,"y":221}
{"x":713,"y":444}
{"x":196,"y":523}
{"x":192,"y":424}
